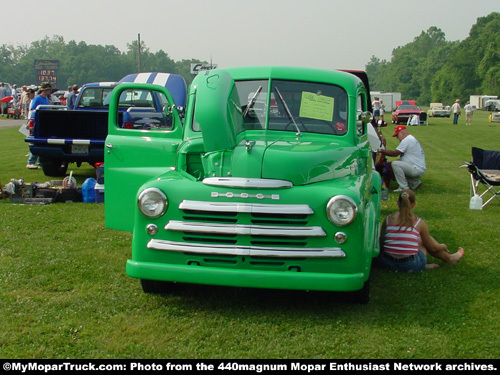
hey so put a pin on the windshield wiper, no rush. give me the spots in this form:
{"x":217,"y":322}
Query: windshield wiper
{"x":288,"y":111}
{"x":252,"y":101}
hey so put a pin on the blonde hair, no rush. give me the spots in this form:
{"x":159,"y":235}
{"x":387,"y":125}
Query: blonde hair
{"x":406,"y":201}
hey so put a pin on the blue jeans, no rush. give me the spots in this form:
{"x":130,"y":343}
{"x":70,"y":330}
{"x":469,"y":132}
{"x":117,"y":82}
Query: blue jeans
{"x":33,"y":159}
{"x":455,"y":118}
{"x":414,"y":263}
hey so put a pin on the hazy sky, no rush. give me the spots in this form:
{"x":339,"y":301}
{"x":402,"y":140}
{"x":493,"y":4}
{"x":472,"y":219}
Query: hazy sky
{"x":341,"y":34}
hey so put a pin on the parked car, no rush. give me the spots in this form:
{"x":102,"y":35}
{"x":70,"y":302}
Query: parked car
{"x":60,"y":95}
{"x":54,"y":99}
{"x":492,"y":105}
{"x":405,"y":111}
{"x":438,"y":110}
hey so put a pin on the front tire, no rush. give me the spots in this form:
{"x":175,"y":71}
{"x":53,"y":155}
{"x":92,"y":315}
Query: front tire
{"x":155,"y":286}
{"x":361,"y":296}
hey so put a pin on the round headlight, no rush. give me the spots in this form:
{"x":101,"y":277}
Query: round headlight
{"x":341,"y":210}
{"x":152,"y":202}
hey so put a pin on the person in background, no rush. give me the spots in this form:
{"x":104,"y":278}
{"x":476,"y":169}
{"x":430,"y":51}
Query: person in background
{"x":406,"y":242}
{"x":24,"y":101}
{"x":468,"y":113}
{"x":41,"y":99}
{"x":456,"y":111}
{"x":3,"y":94}
{"x":411,"y":165}
{"x":376,"y":108}
{"x":71,"y":101}
{"x":14,"y":104}
{"x":382,"y":110}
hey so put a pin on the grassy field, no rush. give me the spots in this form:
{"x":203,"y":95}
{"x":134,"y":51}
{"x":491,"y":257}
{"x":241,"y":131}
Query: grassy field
{"x":64,"y":292}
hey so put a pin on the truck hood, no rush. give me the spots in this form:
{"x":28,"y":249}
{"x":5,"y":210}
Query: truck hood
{"x":300,"y":162}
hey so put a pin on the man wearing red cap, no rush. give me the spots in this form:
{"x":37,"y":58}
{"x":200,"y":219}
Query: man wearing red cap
{"x":411,"y":164}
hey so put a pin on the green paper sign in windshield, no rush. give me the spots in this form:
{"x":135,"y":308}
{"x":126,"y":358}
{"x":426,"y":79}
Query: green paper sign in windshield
{"x":316,"y":106}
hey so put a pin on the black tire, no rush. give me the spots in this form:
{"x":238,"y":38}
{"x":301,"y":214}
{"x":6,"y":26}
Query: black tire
{"x":53,"y":167}
{"x":155,"y":286}
{"x":361,"y":296}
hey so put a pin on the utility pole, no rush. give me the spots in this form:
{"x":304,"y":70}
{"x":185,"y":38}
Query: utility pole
{"x":138,"y":53}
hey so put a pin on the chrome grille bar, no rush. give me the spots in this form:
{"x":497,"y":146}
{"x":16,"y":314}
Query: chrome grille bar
{"x":289,"y":209}
{"x":252,"y":230}
{"x":328,"y":252}
{"x":260,"y":183}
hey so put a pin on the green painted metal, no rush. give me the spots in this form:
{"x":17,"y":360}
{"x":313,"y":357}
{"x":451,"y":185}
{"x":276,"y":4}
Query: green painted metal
{"x":234,"y":182}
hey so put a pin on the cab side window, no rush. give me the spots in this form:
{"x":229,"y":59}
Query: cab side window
{"x":144,"y":110}
{"x":360,"y":108}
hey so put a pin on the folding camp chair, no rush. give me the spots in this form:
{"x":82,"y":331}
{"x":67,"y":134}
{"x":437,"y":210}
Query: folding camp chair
{"x":485,"y":172}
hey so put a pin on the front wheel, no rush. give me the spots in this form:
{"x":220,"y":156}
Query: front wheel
{"x":155,"y":286}
{"x":361,"y":296}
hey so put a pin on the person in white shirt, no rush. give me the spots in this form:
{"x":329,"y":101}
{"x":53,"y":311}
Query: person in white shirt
{"x":456,"y":111}
{"x":410,"y":166}
{"x":468,"y":113}
{"x":376,"y":108}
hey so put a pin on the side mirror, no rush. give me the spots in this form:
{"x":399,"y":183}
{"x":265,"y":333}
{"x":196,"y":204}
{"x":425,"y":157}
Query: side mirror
{"x":365,"y":116}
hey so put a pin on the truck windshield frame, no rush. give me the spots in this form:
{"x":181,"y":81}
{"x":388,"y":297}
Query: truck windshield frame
{"x":307,"y":107}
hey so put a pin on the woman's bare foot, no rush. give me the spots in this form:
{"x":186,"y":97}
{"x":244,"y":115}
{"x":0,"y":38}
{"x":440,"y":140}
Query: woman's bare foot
{"x":454,"y":258}
{"x":431,"y":266}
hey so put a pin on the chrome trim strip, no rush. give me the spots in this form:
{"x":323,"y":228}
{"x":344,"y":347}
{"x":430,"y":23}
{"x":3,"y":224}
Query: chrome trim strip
{"x":251,"y":230}
{"x":301,"y":209}
{"x":259,"y":183}
{"x":327,"y":252}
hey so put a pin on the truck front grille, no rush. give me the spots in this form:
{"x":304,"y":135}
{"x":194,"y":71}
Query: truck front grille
{"x":269,"y":230}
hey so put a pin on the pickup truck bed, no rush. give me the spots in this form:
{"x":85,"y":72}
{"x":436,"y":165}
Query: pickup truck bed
{"x":73,"y":136}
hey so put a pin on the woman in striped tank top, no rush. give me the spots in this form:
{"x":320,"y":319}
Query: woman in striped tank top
{"x":406,"y":241}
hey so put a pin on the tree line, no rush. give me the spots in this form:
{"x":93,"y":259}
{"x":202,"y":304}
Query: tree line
{"x":429,"y":69}
{"x":432,"y":69}
{"x":80,"y":63}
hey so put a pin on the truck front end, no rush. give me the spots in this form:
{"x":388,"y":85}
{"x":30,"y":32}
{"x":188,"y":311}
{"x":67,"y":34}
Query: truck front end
{"x":273,"y":187}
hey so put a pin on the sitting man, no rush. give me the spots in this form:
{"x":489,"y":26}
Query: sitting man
{"x":411,"y":165}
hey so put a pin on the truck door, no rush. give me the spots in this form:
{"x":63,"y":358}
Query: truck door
{"x":144,"y":130}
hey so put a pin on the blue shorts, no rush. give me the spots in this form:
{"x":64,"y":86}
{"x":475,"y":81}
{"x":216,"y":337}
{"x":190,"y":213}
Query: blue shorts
{"x":413,"y":263}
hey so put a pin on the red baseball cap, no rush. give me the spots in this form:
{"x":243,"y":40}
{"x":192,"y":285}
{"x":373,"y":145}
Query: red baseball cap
{"x":397,"y":129}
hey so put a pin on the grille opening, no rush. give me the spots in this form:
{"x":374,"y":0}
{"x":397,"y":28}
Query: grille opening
{"x":280,"y":238}
{"x":279,"y":243}
{"x":210,"y":213}
{"x":210,"y":240}
{"x":281,"y":219}
{"x":210,"y":219}
{"x":280,"y":222}
{"x":280,"y":216}
{"x":206,"y":235}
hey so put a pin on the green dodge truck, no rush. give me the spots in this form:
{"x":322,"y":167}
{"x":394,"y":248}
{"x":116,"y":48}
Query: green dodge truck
{"x":267,"y":182}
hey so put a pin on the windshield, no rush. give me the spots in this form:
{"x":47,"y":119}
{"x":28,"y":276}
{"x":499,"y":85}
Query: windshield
{"x":294,"y":106}
{"x":94,"y":97}
{"x":408,"y":107}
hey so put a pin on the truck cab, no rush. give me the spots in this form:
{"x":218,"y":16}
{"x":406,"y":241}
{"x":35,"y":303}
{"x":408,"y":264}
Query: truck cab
{"x":268,"y":183}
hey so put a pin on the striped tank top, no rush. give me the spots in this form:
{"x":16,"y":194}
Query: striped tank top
{"x":400,"y":241}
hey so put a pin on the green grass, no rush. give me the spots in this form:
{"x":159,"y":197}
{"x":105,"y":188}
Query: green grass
{"x":64,"y":291}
